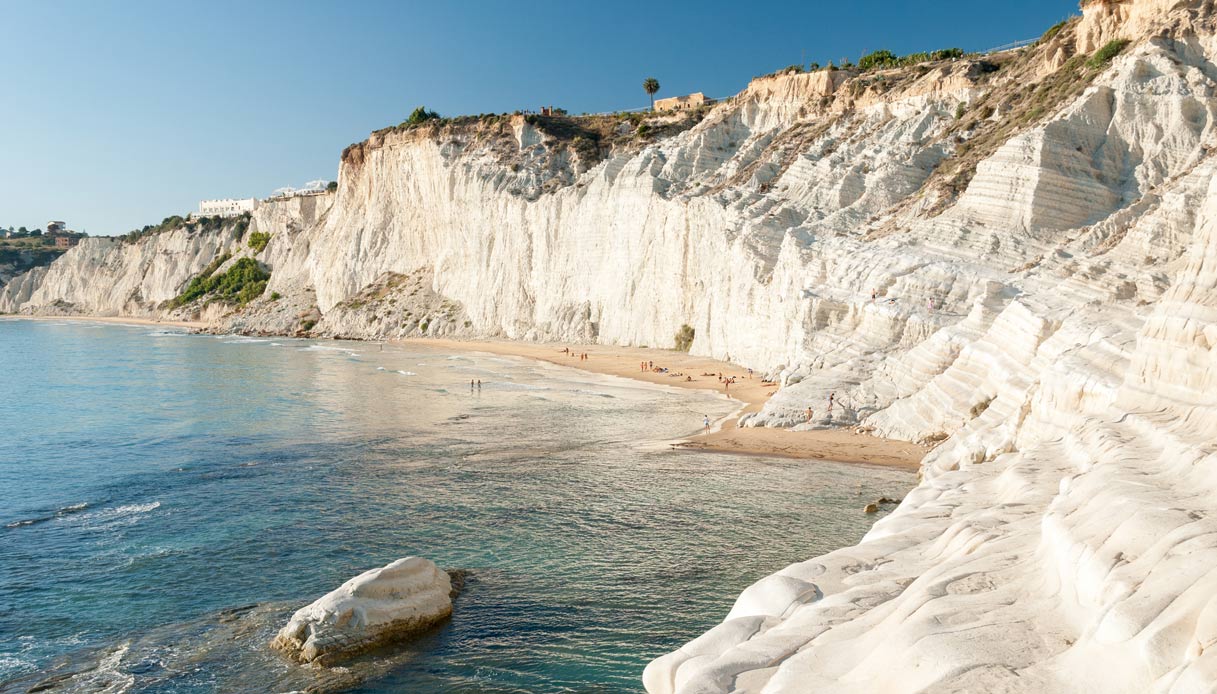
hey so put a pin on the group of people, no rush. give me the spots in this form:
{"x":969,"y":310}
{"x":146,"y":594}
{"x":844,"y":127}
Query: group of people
{"x":832,"y":399}
{"x":582,"y":355}
{"x":479,"y":385}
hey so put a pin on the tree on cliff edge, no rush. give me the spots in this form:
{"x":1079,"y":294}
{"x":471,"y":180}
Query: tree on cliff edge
{"x":651,"y":85}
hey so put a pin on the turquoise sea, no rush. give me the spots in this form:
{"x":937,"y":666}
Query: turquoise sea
{"x":167,"y":500}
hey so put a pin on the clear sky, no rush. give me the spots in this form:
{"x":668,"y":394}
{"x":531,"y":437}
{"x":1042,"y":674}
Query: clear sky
{"x":117,"y":113}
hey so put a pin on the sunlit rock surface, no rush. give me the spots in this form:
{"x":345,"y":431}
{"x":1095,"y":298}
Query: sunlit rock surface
{"x":1012,"y":257}
{"x":376,"y":608}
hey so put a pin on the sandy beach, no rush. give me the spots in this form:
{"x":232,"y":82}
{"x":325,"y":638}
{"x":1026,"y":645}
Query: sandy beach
{"x":840,"y":445}
{"x":119,"y":320}
{"x":836,"y":444}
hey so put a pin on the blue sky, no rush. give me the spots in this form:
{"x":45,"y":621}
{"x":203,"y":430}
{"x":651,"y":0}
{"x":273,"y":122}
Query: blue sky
{"x":117,"y":113}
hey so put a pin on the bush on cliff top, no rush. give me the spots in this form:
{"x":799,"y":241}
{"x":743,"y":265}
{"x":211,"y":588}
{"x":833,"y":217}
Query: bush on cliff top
{"x":421,"y":115}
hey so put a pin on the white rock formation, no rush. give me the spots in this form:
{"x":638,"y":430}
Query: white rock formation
{"x":106,"y":277}
{"x":376,"y":608}
{"x":1042,"y":237}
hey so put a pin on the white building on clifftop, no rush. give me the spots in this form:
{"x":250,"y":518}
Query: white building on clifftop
{"x":228,"y":207}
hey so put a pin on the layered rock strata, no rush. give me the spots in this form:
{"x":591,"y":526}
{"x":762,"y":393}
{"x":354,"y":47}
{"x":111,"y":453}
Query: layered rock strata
{"x":375,"y":609}
{"x":1008,"y":255}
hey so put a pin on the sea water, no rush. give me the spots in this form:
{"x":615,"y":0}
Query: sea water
{"x":167,"y":500}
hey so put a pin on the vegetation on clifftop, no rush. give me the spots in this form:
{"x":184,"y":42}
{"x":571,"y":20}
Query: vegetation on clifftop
{"x":193,"y":224}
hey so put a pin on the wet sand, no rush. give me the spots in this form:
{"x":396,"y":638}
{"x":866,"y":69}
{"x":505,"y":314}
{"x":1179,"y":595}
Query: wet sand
{"x":843,"y":445}
{"x":833,"y":444}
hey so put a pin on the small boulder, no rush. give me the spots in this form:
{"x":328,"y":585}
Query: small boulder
{"x":374,"y":609}
{"x":871,"y":508}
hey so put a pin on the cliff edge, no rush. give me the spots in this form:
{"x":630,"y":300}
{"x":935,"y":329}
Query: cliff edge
{"x":1012,"y":254}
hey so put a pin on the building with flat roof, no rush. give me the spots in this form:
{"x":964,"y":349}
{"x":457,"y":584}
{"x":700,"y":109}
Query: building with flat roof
{"x":681,"y":103}
{"x":227,"y":207}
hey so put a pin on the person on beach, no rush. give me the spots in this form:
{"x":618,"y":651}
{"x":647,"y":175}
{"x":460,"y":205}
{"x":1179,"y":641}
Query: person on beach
{"x":706,"y":423}
{"x":831,"y":397}
{"x":727,"y":385}
{"x":873,"y":295}
{"x":479,"y":385}
{"x":810,"y":413}
{"x":471,"y":385}
{"x":749,"y":374}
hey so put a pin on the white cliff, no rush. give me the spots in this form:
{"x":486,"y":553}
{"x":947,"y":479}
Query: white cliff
{"x":377,"y":608}
{"x":1041,"y":238}
{"x":105,"y":276}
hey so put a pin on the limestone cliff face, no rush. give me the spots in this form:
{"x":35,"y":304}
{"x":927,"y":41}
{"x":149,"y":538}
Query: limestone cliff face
{"x":108,"y":277}
{"x":1038,"y":239}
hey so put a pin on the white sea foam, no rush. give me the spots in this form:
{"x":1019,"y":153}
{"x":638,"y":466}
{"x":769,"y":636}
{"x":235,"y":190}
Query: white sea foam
{"x":126,"y":512}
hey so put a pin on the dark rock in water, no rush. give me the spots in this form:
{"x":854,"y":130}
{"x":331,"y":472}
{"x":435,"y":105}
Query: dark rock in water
{"x":457,"y":576}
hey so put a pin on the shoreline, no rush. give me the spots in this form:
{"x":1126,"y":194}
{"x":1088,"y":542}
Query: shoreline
{"x":115,"y":320}
{"x":835,"y":445}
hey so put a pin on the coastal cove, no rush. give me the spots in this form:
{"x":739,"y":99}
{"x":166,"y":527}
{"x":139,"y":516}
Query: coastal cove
{"x":160,"y":543}
{"x":750,"y":391}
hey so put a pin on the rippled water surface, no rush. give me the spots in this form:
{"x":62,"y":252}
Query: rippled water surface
{"x":166,"y":501}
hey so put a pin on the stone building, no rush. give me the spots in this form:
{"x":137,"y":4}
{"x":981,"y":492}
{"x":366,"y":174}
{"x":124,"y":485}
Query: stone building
{"x":681,"y":103}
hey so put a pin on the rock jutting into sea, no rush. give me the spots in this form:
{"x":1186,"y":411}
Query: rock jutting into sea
{"x":375,"y":609}
{"x":1012,"y":256}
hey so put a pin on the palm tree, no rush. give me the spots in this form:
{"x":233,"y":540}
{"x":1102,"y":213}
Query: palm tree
{"x":651,"y":85}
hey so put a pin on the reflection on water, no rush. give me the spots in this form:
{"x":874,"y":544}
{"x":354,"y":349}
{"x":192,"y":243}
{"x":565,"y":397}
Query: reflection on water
{"x":174,"y":497}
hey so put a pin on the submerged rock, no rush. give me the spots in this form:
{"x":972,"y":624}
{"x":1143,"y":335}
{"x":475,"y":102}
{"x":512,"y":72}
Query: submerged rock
{"x":374,"y":609}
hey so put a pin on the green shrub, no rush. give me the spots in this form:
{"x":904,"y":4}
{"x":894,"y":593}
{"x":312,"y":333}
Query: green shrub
{"x":421,"y":115}
{"x":331,"y":186}
{"x":684,"y":338}
{"x":1053,"y":30}
{"x":258,"y":240}
{"x":275,"y":296}
{"x":960,"y":110}
{"x":884,"y":59}
{"x":1104,"y":55}
{"x":240,"y":284}
{"x":878,"y":59}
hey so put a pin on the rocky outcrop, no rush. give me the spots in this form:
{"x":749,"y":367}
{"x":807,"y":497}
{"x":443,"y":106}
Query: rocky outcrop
{"x":1009,"y":255}
{"x":375,"y":609}
{"x":105,"y":276}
